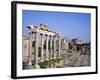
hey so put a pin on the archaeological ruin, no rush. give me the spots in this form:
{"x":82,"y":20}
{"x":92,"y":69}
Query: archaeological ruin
{"x":45,"y":48}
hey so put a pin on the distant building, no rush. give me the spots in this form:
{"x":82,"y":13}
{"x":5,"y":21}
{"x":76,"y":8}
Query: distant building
{"x":77,"y":41}
{"x":65,"y":43}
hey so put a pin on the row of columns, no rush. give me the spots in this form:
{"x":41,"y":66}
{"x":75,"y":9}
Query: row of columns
{"x":52,"y":38}
{"x":52,"y":51}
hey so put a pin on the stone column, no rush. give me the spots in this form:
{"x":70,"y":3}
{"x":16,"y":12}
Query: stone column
{"x":54,"y":39}
{"x":54,"y":44}
{"x":42,"y":47}
{"x":59,"y":44}
{"x":36,"y":66}
{"x":30,"y":50}
{"x":50,"y":47}
{"x":51,"y":50}
{"x":46,"y":47}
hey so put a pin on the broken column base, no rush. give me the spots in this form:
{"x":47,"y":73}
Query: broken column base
{"x":30,"y":67}
{"x":36,"y":66}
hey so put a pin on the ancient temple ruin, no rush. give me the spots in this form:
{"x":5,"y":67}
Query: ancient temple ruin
{"x":44,"y":46}
{"x":42,"y":32}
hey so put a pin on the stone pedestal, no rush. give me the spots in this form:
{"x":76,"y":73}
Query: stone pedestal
{"x":36,"y":66}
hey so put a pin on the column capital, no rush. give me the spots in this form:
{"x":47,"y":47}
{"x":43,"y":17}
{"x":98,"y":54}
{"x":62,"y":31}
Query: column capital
{"x":50,"y":35}
{"x":36,"y":32}
{"x":31,"y":32}
{"x":41,"y":34}
{"x":46,"y":34}
{"x":58,"y":36}
{"x":54,"y":36}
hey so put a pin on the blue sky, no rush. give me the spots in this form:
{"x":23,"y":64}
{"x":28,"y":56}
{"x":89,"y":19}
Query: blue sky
{"x":69,"y":24}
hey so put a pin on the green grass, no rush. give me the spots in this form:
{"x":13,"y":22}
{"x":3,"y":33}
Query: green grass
{"x":46,"y":63}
